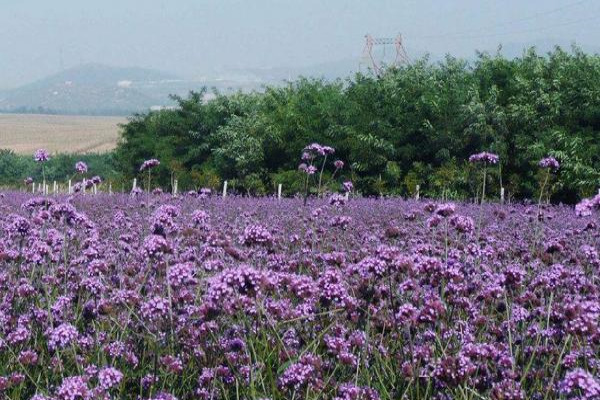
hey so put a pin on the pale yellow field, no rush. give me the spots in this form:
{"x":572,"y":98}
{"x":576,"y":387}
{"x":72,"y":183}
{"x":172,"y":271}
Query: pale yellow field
{"x":25,"y":133}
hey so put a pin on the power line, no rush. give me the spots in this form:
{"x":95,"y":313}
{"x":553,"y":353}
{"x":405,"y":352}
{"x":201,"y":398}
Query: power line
{"x":533,"y":30}
{"x":505,"y":23}
{"x":541,"y":14}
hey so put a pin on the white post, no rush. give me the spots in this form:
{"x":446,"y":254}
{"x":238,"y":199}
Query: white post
{"x":47,"y":190}
{"x":70,"y":187}
{"x":134,"y":184}
{"x":224,"y":189}
{"x":33,"y":187}
{"x":418,"y":194}
{"x":347,"y":196}
{"x":83,"y":185}
{"x":279,"y":191}
{"x":109,"y":187}
{"x":55,"y":188}
{"x":502,"y":195}
{"x":95,"y":189}
{"x":175,"y":187}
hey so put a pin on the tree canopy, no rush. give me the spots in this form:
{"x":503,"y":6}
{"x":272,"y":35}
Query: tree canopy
{"x":413,"y":125}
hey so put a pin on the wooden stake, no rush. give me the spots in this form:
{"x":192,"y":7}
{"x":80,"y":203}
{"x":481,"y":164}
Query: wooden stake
{"x":279,"y":191}
{"x":418,"y":194}
{"x":224,"y":189}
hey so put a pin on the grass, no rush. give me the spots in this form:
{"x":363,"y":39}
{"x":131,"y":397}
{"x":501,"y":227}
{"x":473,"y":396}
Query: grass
{"x":24,"y":133}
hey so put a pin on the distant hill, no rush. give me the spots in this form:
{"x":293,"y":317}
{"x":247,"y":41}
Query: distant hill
{"x":92,"y":89}
{"x":96,"y":89}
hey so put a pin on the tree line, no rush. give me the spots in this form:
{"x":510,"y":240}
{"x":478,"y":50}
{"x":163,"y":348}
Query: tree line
{"x":16,"y":168}
{"x":413,"y":125}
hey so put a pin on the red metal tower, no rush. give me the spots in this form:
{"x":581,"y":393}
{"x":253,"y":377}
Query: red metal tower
{"x":377,"y":64}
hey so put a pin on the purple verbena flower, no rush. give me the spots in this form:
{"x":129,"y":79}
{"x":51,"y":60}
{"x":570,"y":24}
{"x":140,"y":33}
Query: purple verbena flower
{"x":109,"y":377}
{"x":148,"y":164}
{"x":485,"y":158}
{"x":74,"y":388}
{"x":549,"y":163}
{"x":81,"y":167}
{"x":582,"y":383}
{"x":41,"y":155}
{"x":63,"y":336}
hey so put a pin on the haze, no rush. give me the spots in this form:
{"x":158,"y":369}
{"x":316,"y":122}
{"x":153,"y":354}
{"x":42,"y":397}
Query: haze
{"x":196,"y":37}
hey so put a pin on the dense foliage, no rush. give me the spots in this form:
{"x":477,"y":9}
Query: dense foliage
{"x":160,"y":297}
{"x":415,"y":125}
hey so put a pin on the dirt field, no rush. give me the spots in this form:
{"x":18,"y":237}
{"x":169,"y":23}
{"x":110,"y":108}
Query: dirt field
{"x":25,"y":133}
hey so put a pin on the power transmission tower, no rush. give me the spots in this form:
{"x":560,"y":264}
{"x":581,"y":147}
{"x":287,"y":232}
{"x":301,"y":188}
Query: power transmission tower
{"x":376,"y":62}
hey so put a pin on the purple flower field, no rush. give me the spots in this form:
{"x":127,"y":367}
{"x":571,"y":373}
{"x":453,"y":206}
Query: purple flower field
{"x":155,"y":297}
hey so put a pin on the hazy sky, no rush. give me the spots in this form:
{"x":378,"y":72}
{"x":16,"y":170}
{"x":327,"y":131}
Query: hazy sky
{"x":193,"y":37}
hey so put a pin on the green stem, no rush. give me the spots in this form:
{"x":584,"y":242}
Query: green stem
{"x":484,"y":181}
{"x":321,"y":175}
{"x":557,"y":365}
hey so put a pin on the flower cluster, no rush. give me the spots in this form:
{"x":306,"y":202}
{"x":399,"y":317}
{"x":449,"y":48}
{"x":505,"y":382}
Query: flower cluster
{"x":317,"y":149}
{"x":256,"y":234}
{"x":309,"y":169}
{"x":484,"y":158}
{"x":41,"y":155}
{"x":74,"y":388}
{"x":63,"y":336}
{"x":81,"y":167}
{"x":549,"y":163}
{"x":580,"y":382}
{"x":205,"y":192}
{"x":109,"y":377}
{"x":149,"y":164}
{"x":586,"y":207}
